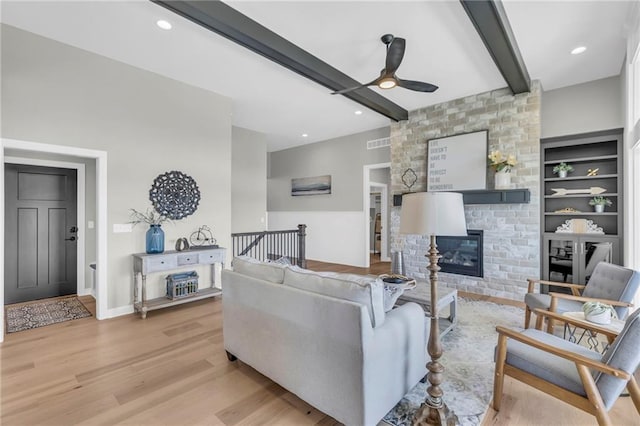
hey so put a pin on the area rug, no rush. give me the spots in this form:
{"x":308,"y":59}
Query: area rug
{"x":39,"y":314}
{"x":468,"y":361}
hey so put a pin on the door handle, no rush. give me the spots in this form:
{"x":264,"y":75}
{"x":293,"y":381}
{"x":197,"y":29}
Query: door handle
{"x":70,"y":239}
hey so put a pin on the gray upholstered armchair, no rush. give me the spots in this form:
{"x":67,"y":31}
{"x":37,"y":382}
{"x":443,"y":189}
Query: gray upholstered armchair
{"x":609,"y":283}
{"x":572,"y":373}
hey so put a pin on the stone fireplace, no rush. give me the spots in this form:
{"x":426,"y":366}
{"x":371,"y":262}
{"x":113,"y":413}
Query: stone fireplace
{"x":511,"y":232}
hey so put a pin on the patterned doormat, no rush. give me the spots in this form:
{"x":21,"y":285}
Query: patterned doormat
{"x":47,"y":312}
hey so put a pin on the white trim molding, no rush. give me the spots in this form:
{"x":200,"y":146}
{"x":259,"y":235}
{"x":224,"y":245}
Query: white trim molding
{"x":102,"y":284}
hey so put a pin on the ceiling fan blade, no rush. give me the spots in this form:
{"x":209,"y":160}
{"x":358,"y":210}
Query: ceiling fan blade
{"x":395,"y":53}
{"x":351,"y":89}
{"x":418,"y":86}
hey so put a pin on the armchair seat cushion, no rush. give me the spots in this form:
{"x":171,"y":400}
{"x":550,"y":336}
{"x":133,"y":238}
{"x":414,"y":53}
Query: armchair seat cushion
{"x":543,"y":301}
{"x":546,"y":366}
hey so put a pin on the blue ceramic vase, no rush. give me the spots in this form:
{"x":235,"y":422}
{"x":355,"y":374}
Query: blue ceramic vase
{"x":155,"y":239}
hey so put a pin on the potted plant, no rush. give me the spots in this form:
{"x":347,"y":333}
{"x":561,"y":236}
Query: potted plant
{"x":502,"y":165}
{"x":599,"y":313}
{"x":598,"y":202}
{"x":155,"y":235}
{"x":562,"y":169}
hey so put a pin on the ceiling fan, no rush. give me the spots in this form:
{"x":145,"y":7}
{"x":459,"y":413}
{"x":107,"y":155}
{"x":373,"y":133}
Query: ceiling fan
{"x":388,"y":79}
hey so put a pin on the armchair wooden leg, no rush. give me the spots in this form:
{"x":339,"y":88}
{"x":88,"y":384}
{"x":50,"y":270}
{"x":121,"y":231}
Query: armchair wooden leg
{"x":527,"y":317}
{"x":634,"y":391}
{"x":498,"y":380}
{"x":594,"y":395}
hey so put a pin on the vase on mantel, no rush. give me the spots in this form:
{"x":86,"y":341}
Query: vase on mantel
{"x":502,"y":180}
{"x":155,"y":239}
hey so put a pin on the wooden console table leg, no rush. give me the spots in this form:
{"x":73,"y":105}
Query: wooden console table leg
{"x":143,"y":302}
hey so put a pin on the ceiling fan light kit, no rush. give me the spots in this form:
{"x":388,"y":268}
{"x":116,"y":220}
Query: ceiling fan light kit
{"x":388,"y":79}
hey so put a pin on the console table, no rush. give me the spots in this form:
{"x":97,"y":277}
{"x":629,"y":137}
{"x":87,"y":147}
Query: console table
{"x":144,"y":264}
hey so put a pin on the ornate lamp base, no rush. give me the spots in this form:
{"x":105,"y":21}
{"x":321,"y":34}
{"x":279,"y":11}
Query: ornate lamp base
{"x":428,"y":415}
{"x":433,"y":410}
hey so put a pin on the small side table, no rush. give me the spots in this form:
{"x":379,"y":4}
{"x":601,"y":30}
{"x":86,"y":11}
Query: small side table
{"x":611,"y":330}
{"x":421,"y":295}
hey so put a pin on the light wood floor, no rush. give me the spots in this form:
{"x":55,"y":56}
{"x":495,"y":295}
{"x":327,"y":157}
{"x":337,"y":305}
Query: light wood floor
{"x":171,"y":369}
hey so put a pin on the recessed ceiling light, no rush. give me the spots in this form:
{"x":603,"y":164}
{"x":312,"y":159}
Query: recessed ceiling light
{"x":578,"y":50}
{"x":165,"y":25}
{"x":358,"y":112}
{"x":304,"y":135}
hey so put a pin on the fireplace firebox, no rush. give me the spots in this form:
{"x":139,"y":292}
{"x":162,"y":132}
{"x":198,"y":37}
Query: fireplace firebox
{"x":461,"y":255}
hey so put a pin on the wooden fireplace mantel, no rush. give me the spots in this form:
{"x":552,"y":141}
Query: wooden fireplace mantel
{"x":498,"y":196}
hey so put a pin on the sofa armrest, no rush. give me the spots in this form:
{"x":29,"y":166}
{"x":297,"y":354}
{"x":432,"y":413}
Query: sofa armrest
{"x":394,"y":358}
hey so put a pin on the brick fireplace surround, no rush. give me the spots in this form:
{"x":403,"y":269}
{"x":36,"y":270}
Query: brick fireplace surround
{"x":511,"y":231}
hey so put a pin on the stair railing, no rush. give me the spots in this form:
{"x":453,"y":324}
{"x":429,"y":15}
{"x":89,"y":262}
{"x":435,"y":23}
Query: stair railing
{"x":272,"y":245}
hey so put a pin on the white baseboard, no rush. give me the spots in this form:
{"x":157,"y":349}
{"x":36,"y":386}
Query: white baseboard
{"x":118,"y":312}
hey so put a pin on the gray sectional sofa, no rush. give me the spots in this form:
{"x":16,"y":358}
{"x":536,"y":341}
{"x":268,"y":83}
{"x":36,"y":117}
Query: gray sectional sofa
{"x":324,"y":337}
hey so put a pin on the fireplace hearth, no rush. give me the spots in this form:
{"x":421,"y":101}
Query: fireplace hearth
{"x":461,"y":255}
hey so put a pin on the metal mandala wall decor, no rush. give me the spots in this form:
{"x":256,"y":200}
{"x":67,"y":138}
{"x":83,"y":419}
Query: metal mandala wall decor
{"x":174,"y":195}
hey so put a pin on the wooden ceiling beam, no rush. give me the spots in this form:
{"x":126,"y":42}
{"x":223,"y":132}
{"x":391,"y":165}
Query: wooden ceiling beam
{"x":233,"y":25}
{"x":490,"y":20}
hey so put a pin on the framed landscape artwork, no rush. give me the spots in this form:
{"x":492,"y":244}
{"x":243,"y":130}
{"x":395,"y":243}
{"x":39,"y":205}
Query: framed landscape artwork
{"x":318,"y":185}
{"x":457,"y":163}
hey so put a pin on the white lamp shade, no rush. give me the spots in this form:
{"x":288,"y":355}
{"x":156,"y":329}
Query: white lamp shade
{"x":433,"y":213}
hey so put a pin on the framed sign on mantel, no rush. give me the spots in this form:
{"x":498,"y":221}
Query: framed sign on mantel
{"x":457,"y":163}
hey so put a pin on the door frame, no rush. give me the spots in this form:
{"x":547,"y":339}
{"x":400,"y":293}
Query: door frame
{"x":366,"y":203}
{"x":80,"y":210}
{"x":382,"y":188}
{"x":101,"y":284}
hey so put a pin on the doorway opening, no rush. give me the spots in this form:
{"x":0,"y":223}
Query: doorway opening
{"x":19,"y":148}
{"x":377,"y":179}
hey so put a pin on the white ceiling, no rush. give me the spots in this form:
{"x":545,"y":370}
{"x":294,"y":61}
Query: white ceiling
{"x":443,"y":48}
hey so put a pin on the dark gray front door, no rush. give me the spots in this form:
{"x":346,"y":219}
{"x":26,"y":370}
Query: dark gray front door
{"x":40,"y":232}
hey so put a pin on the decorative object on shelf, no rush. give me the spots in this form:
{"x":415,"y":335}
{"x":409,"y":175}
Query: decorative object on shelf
{"x":499,"y":163}
{"x":593,"y":172}
{"x":598,"y":312}
{"x":562,"y":169}
{"x":599,"y":202}
{"x":502,"y":166}
{"x":579,"y":226}
{"x":432,"y":214}
{"x":567,"y":210}
{"x":318,"y":185}
{"x":182,"y":284}
{"x":202,"y":238}
{"x":594,"y":190}
{"x":175,"y":195}
{"x":154,"y":238}
{"x":502,"y":180}
{"x":409,"y":178}
{"x":182,"y":244}
{"x":458,"y":162}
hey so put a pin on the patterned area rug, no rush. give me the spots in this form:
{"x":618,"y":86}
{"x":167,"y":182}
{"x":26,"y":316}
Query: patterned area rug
{"x":39,"y":314}
{"x":468,"y":362}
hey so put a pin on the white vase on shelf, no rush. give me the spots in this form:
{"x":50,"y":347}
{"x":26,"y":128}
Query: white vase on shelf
{"x":502,"y":180}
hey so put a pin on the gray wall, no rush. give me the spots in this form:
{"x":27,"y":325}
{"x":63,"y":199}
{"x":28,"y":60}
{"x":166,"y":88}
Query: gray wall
{"x":147,"y":124}
{"x":586,"y":107}
{"x":248,"y":180}
{"x":342,"y":158}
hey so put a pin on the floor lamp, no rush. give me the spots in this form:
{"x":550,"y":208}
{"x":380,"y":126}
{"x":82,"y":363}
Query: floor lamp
{"x":433,"y":213}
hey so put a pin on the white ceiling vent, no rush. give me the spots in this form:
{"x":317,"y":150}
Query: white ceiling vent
{"x":378,"y":143}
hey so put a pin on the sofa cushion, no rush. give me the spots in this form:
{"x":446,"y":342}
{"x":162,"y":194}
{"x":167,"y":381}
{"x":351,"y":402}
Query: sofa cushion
{"x":355,"y":288}
{"x":268,"y":271}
